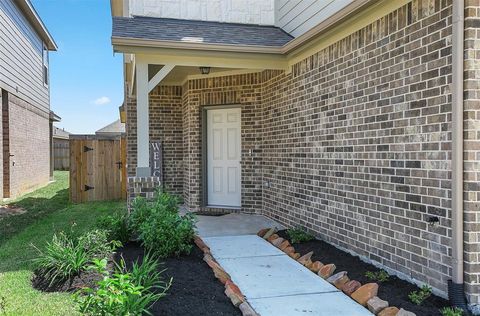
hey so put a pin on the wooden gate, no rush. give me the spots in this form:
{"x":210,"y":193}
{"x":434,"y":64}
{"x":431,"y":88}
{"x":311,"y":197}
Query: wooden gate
{"x":97,"y":168}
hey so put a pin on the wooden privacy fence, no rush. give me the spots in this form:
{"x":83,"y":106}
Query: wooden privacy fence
{"x":61,"y":154}
{"x":97,"y":168}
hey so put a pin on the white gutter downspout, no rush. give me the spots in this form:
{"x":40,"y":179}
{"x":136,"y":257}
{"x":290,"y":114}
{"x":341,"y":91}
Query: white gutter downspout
{"x":455,"y":287}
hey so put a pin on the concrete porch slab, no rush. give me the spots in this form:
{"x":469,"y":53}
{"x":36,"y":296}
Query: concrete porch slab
{"x":325,"y":304}
{"x":229,"y":247}
{"x":271,"y":276}
{"x":233,"y":225}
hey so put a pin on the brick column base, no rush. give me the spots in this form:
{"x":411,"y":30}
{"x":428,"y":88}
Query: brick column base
{"x":142,"y":186}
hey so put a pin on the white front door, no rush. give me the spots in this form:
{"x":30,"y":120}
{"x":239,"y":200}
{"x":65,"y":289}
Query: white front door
{"x":223,"y":157}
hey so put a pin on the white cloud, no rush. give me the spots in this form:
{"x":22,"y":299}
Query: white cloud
{"x":102,"y":101}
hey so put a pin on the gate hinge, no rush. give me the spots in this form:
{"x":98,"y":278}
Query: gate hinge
{"x":85,"y":149}
{"x":88,"y":188}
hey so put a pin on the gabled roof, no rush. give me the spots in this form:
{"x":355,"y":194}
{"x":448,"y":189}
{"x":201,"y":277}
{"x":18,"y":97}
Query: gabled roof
{"x":116,"y":127}
{"x":37,"y":23}
{"x":198,"y":32}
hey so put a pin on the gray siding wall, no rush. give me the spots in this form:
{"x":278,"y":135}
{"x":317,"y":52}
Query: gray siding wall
{"x":298,"y":16}
{"x":21,"y":63}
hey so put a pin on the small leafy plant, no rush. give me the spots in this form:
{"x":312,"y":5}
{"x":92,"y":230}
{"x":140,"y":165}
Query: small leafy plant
{"x":97,"y":245}
{"x":451,"y":311}
{"x":142,"y":209}
{"x":160,"y":227}
{"x":147,"y":273}
{"x":168,"y":234}
{"x":63,"y":258}
{"x":417,"y":297}
{"x":122,"y":292}
{"x":299,"y":235}
{"x":67,"y":256}
{"x":378,"y":276}
{"x":117,"y":226}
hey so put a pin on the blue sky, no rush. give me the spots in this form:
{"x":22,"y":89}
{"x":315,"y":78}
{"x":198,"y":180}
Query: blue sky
{"x":85,"y":77}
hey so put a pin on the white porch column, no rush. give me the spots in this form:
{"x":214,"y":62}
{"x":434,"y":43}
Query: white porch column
{"x":143,"y":154}
{"x":144,"y":87}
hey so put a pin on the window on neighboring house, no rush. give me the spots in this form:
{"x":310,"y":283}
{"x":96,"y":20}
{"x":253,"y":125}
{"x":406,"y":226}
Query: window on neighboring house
{"x":45,"y":65}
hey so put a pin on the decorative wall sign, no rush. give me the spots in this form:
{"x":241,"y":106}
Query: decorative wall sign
{"x":156,"y":159}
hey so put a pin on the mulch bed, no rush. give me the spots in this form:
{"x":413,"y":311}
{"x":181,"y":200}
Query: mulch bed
{"x":395,"y":290}
{"x":195,"y":290}
{"x":85,"y":279}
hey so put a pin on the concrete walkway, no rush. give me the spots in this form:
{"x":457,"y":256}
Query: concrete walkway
{"x":273,"y":283}
{"x":233,"y":224}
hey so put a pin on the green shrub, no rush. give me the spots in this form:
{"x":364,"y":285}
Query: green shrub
{"x":451,"y":311}
{"x":139,"y":214}
{"x":142,"y":209}
{"x":166,"y":201}
{"x":66,"y":256}
{"x":417,"y":297}
{"x":298,"y":235}
{"x":168,"y":234}
{"x":378,"y":276}
{"x":120,"y":293}
{"x":97,"y":244}
{"x":63,"y":258}
{"x":160,"y":227}
{"x":117,"y":225}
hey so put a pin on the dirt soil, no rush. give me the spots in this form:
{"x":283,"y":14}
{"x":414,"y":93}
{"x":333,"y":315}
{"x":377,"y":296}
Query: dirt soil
{"x":85,"y":279}
{"x":8,"y":210}
{"x":395,"y":290}
{"x":194,"y":291}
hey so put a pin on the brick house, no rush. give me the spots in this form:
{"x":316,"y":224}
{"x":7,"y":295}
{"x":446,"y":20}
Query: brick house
{"x":345,"y":118}
{"x":26,"y":119}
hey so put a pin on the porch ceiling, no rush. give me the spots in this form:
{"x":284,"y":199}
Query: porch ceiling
{"x":180,"y":73}
{"x":214,"y":59}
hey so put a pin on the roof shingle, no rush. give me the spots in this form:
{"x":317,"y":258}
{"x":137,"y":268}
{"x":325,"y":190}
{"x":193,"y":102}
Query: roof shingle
{"x":204,"y":32}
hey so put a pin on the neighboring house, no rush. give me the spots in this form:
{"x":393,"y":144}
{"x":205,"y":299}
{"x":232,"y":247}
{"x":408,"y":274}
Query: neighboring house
{"x":116,"y":128}
{"x":61,"y":149}
{"x":349,"y":118}
{"x":25,"y":94}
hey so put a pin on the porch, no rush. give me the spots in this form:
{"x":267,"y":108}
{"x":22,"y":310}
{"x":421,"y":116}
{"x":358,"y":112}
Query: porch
{"x":337,"y":137}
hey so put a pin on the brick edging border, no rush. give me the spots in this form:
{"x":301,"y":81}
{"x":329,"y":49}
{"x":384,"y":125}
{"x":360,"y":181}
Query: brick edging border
{"x":232,"y":291}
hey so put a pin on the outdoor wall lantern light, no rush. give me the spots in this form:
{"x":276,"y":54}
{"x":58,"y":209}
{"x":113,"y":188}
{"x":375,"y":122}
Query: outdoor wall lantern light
{"x":433,"y":220}
{"x":205,"y":70}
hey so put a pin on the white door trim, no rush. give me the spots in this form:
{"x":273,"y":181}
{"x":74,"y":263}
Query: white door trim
{"x":223,"y":155}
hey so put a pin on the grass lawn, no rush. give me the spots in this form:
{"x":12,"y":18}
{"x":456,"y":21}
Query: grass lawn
{"x":48,"y":211}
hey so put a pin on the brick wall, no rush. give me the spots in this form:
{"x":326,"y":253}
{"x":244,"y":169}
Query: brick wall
{"x":165,"y":126}
{"x":131,"y":135}
{"x":245,"y":91}
{"x":3,"y":103}
{"x":471,"y":150}
{"x":29,"y":143}
{"x":357,"y":142}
